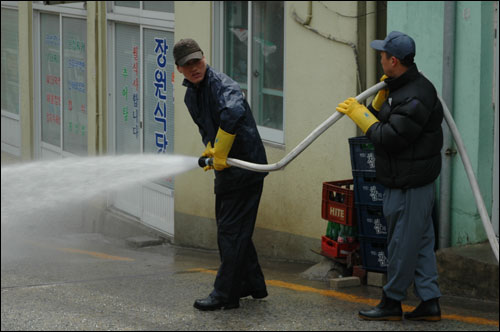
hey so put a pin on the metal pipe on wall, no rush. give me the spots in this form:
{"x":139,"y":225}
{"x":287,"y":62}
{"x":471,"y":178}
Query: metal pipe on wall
{"x":448,"y":151}
{"x":371,"y":54}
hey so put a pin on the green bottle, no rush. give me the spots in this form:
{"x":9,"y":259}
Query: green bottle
{"x":329,"y":230}
{"x":335,"y":231}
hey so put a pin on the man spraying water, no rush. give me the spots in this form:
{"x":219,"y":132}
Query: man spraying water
{"x":227,"y":128}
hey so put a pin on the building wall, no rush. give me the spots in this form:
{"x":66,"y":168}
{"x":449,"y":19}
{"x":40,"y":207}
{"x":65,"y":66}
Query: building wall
{"x":319,"y":73}
{"x":473,"y":111}
{"x":26,"y":79}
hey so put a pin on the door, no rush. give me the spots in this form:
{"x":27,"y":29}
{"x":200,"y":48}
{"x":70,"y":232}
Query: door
{"x":142,"y":116}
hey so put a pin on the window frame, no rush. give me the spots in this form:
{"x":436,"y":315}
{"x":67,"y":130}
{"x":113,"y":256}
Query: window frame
{"x":12,"y":5}
{"x":140,"y":16}
{"x":268,"y":135}
{"x":75,"y":11}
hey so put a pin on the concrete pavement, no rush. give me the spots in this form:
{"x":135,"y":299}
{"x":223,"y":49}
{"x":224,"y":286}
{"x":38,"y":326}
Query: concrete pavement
{"x":54,"y":276}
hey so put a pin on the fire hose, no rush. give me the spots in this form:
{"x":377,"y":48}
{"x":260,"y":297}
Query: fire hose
{"x":299,"y":148}
{"x":335,"y":117}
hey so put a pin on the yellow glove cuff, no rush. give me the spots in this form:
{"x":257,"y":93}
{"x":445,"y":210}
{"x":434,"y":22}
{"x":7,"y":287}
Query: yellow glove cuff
{"x":223,"y":143}
{"x":364,"y":119}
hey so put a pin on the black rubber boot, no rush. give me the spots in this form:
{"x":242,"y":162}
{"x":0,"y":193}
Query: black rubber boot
{"x":426,"y":310}
{"x":214,"y":303}
{"x":387,"y":309}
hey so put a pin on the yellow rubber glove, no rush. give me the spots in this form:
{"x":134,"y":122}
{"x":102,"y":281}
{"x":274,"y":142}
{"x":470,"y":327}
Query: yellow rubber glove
{"x":381,"y":96}
{"x":208,"y":153}
{"x":358,"y":113}
{"x":223,"y":143}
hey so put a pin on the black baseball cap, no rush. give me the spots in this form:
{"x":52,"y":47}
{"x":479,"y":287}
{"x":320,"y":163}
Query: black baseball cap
{"x":396,"y":43}
{"x":185,"y":50}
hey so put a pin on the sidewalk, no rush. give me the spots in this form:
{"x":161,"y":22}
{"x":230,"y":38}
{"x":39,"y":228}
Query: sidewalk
{"x":469,"y":271}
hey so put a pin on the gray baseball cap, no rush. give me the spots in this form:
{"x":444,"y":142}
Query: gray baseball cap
{"x":396,"y":43}
{"x":185,"y":50}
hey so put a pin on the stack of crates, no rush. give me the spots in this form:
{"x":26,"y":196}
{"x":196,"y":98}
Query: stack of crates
{"x":337,"y":207}
{"x":372,"y":226}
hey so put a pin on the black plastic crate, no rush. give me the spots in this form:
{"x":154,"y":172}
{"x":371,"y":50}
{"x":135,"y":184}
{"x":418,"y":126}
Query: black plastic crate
{"x":373,"y":254}
{"x":362,"y":154}
{"x":367,"y":191}
{"x":371,"y":221}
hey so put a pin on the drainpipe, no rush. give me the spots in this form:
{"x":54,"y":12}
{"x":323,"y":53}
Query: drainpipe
{"x":448,"y":152}
{"x":309,"y":13}
{"x":371,"y":34}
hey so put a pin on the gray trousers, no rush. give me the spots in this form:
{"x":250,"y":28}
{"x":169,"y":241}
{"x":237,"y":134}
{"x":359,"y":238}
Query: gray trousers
{"x":410,"y":239}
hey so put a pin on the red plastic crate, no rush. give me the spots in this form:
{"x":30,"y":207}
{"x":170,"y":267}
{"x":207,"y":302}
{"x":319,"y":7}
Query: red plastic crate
{"x":338,"y":202}
{"x":337,"y":250}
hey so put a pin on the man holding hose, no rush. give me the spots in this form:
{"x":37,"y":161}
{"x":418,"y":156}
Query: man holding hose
{"x":404,"y":125}
{"x":228,"y":129}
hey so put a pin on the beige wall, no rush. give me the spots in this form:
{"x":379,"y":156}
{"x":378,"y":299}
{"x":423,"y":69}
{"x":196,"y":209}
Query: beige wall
{"x":26,"y":79}
{"x":193,"y":190}
{"x":319,"y":73}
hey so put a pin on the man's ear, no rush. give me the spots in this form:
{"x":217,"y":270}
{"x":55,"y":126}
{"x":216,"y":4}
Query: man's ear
{"x":179,"y":69}
{"x":394,"y":61}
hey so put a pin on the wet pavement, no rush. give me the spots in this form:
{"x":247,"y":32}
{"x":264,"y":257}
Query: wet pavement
{"x":57,"y":278}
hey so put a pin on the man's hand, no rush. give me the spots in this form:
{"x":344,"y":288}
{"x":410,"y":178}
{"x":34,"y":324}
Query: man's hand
{"x":381,"y":96}
{"x":358,"y":113}
{"x":208,"y":153}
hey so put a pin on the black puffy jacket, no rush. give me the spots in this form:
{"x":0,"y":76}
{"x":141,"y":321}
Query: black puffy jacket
{"x":408,"y":139}
{"x":218,"y":102}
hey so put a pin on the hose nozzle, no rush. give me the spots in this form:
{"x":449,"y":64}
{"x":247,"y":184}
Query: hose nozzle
{"x":205,"y":161}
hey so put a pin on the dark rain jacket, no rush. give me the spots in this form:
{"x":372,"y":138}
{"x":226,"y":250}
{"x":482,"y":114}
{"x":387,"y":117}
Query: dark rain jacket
{"x":218,"y":102}
{"x":408,"y":139}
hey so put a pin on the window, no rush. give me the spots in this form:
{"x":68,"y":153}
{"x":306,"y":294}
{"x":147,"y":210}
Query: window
{"x":144,"y":9}
{"x":158,"y":91}
{"x":130,"y":4}
{"x":10,"y":54}
{"x":258,"y":66}
{"x":127,"y":95}
{"x":50,"y":42}
{"x":63,"y":82}
{"x":74,"y":86}
{"x":142,"y":106}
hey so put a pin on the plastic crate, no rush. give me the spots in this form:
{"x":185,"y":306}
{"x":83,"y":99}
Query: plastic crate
{"x":338,"y":202}
{"x":371,"y":221}
{"x":367,"y":190}
{"x":362,"y":154}
{"x":337,"y":250}
{"x":373,"y":254}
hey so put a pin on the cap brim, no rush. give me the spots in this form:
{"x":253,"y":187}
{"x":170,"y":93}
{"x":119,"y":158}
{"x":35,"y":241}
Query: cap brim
{"x":196,"y":55}
{"x":377,"y":45}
